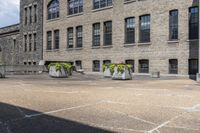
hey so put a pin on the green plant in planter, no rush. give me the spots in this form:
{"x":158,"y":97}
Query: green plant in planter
{"x":104,"y":67}
{"x":120,"y":68}
{"x":129,"y":66}
{"x":112,"y":68}
{"x":59,"y":66}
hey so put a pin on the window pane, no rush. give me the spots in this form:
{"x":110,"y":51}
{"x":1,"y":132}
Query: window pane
{"x":145,"y":28}
{"x":173,"y":66}
{"x":70,"y":38}
{"x":108,"y":33}
{"x":144,"y":66}
{"x":75,"y":6}
{"x":53,"y":9}
{"x":194,"y":23}
{"x":173,"y":24}
{"x":96,"y":34}
{"x":130,"y":30}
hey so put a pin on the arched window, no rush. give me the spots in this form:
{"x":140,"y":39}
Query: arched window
{"x":53,"y":9}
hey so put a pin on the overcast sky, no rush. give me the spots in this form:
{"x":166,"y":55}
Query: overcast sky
{"x":9,"y":12}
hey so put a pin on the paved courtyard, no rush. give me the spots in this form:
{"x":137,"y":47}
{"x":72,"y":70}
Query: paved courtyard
{"x":91,"y":104}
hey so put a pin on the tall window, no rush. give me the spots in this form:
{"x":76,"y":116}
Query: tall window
{"x":53,"y":9}
{"x":108,"y":33}
{"x":56,"y":39}
{"x":70,"y":38}
{"x":130,"y":30}
{"x":49,"y":40}
{"x":96,"y":34}
{"x":35,"y":42}
{"x":14,"y":44}
{"x":30,"y":14}
{"x":35,"y":13}
{"x":173,"y":25}
{"x":96,"y":66}
{"x":194,"y":23}
{"x":145,"y":24}
{"x":79,"y":36}
{"x":78,"y":64}
{"x":144,"y":66}
{"x":25,"y":16}
{"x":30,"y":42}
{"x":25,"y":43}
{"x":75,"y":6}
{"x":173,"y":66}
{"x":193,"y":66}
{"x":102,"y":3}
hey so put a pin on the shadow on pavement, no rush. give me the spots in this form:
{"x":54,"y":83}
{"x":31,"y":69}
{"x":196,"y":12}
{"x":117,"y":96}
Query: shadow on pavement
{"x":13,"y":120}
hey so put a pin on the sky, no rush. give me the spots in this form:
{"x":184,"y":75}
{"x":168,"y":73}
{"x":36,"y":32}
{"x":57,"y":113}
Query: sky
{"x":9,"y":12}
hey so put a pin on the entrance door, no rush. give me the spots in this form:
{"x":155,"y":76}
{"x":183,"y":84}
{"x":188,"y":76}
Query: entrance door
{"x":193,"y":66}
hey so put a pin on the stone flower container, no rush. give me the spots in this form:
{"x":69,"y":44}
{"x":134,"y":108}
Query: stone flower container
{"x":60,"y":70}
{"x":155,"y":74}
{"x":122,"y":72}
{"x":106,"y":71}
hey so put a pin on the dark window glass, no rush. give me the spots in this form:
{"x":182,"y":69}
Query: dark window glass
{"x":96,"y":34}
{"x":108,"y":33}
{"x":107,"y":62}
{"x":78,"y":64}
{"x":173,"y":66}
{"x":56,"y":39}
{"x":25,"y":43}
{"x":145,"y":24}
{"x":49,"y":40}
{"x":35,"y":42}
{"x":130,"y":30}
{"x":102,"y":3}
{"x":193,"y":66}
{"x":131,"y":62}
{"x":35,"y":13}
{"x":79,"y":36}
{"x":25,"y":16}
{"x":96,"y":66}
{"x":194,"y":23}
{"x":70,"y":41}
{"x":14,"y":44}
{"x":75,"y":6}
{"x":144,"y":66}
{"x":30,"y":15}
{"x":30,"y":42}
{"x":173,"y":25}
{"x":53,"y":9}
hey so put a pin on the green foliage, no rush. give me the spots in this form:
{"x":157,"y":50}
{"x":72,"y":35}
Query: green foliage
{"x":104,"y":67}
{"x":59,"y":66}
{"x":112,"y":67}
{"x":120,"y":67}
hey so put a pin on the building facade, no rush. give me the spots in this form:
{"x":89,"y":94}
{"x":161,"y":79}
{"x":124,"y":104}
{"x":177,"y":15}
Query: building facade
{"x":152,"y":35}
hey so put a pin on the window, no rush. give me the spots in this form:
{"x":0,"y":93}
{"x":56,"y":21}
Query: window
{"x":193,"y":66}
{"x":107,"y":62}
{"x":78,"y":64}
{"x":173,"y":66}
{"x":96,"y":66}
{"x":131,"y":62}
{"x":25,"y":16}
{"x":102,"y":3}
{"x":96,"y":34}
{"x":49,"y":40}
{"x":14,"y":44}
{"x":143,"y":66}
{"x":145,"y":28}
{"x":0,"y":49}
{"x":173,"y":25}
{"x":108,"y":33}
{"x":75,"y":6}
{"x":30,"y":15}
{"x":130,"y":30}
{"x":70,"y":41}
{"x":53,"y":9}
{"x":25,"y":43}
{"x":56,"y":39}
{"x":79,"y":36}
{"x":194,"y":23}
{"x":30,"y":42}
{"x":35,"y":42}
{"x":35,"y":13}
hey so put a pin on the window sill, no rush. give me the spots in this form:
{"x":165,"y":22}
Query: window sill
{"x":78,"y":48}
{"x":173,"y":41}
{"x":96,"y":47}
{"x":129,"y":44}
{"x":130,"y":1}
{"x":69,"y":49}
{"x":144,"y":43}
{"x":193,"y":40}
{"x":74,"y":15}
{"x":51,"y":20}
{"x":107,"y":46}
{"x":48,"y":50}
{"x":100,"y":9}
{"x":56,"y":50}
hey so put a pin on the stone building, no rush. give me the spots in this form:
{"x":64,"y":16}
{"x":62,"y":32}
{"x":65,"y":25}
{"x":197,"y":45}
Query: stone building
{"x":21,"y":44}
{"x":9,"y":45}
{"x":152,"y":35}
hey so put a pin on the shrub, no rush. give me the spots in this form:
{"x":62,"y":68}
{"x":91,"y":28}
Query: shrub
{"x":58,"y":66}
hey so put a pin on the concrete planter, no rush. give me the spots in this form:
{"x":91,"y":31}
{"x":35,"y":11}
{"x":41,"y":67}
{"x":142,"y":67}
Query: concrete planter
{"x":155,"y":75}
{"x":59,"y":73}
{"x":107,"y":73}
{"x":126,"y":75}
{"x":198,"y":77}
